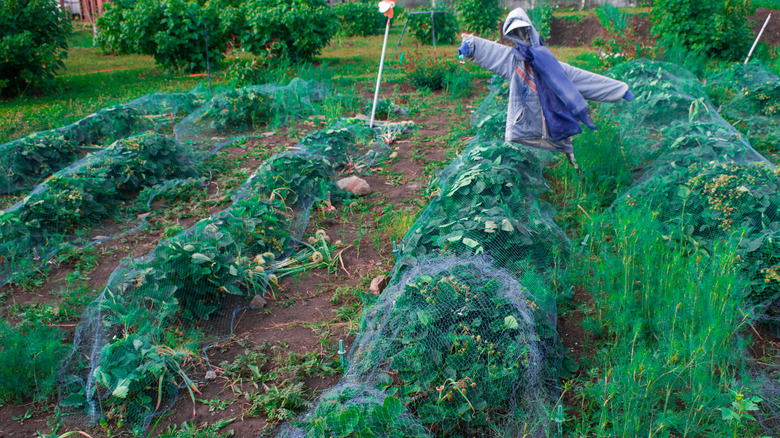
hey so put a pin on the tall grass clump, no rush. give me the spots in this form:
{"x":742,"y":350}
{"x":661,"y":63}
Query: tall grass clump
{"x":30,"y":356}
{"x":606,"y":172}
{"x":666,"y":333}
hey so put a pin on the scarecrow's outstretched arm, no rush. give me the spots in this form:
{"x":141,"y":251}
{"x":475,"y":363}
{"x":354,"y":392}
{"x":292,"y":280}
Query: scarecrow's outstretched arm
{"x":595,"y":87}
{"x":491,"y":56}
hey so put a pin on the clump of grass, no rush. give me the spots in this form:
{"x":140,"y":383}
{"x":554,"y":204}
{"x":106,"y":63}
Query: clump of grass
{"x":30,"y":356}
{"x":664,"y":332}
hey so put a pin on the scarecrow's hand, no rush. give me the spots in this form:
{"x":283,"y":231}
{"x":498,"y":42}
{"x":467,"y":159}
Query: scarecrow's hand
{"x":464,"y":49}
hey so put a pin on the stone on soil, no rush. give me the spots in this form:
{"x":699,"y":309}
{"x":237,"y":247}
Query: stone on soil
{"x":354,"y":184}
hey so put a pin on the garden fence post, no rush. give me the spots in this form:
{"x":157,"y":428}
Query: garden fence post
{"x":433,"y":30}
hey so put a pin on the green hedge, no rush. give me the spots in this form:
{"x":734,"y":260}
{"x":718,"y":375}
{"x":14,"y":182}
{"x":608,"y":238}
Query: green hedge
{"x":33,"y":43}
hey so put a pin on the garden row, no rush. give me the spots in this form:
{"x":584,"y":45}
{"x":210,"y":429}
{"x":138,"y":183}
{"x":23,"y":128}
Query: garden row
{"x":463,"y":340}
{"x":137,"y":344}
{"x":681,"y":263}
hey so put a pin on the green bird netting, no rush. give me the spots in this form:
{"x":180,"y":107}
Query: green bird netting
{"x":128,"y":362}
{"x":708,"y":190}
{"x":463,"y":340}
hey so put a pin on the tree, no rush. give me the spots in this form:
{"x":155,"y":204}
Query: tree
{"x":717,"y":28}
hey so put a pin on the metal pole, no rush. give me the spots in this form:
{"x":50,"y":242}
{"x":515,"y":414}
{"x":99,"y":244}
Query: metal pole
{"x":379,"y":76}
{"x":208,"y":64}
{"x":433,"y":30}
{"x":758,"y":37}
{"x":402,"y":32}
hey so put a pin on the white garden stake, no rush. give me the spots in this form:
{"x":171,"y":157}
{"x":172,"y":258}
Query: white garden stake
{"x":758,"y":38}
{"x":385,"y":8}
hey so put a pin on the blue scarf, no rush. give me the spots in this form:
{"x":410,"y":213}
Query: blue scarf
{"x":563,"y":106}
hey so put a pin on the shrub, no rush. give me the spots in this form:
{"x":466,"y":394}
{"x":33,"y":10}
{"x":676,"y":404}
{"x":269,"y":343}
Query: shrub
{"x":302,"y":28}
{"x":171,"y":31}
{"x":360,"y":17}
{"x":718,"y":28}
{"x":479,"y":16}
{"x":430,"y":73}
{"x":445,"y":26}
{"x":29,"y":359}
{"x":33,"y":43}
{"x":541,"y":16}
{"x":174,"y":31}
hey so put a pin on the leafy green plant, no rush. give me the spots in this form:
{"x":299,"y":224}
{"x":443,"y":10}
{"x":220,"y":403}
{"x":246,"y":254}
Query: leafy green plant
{"x":237,"y":110}
{"x":489,"y":189}
{"x":454,"y":363}
{"x":479,"y":16}
{"x":278,"y":403}
{"x":267,"y":67}
{"x":432,"y":73}
{"x":30,"y":356}
{"x":622,"y":43}
{"x":740,"y":410}
{"x":200,"y":269}
{"x":718,"y":28}
{"x":33,"y":42}
{"x":353,"y":411}
{"x":612,"y":18}
{"x":172,"y":31}
{"x":300,"y":28}
{"x":360,"y":18}
{"x":422,"y":27}
{"x":26,"y":160}
{"x":541,"y":16}
{"x":191,"y":430}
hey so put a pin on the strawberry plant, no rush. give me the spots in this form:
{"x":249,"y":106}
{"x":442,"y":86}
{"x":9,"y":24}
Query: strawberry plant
{"x":359,"y":412}
{"x":27,"y":160}
{"x":460,"y":346}
{"x":215,"y":259}
{"x":342,"y":143}
{"x":300,"y":178}
{"x":237,"y":110}
{"x":487,"y":204}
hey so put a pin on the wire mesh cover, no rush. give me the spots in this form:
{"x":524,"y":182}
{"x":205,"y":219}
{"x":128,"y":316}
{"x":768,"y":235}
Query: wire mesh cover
{"x":464,"y":337}
{"x":25,"y":161}
{"x":127,"y":364}
{"x":82,"y":195}
{"x":463,"y":345}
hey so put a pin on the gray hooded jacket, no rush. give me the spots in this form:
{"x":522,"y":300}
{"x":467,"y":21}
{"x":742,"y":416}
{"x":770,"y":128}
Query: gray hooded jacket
{"x":525,"y":122}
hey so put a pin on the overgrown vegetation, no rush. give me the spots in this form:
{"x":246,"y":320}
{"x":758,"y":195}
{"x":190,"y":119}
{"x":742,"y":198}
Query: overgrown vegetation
{"x":717,"y":28}
{"x":33,"y":44}
{"x":177,"y":32}
{"x":482,"y":17}
{"x":443,"y":26}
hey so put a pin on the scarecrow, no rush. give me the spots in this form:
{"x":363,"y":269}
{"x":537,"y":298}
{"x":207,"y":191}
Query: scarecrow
{"x":546,"y":97}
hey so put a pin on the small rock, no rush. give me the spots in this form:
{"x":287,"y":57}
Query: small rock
{"x":258,"y":302}
{"x":378,"y":284}
{"x":393,"y":155}
{"x":355,"y":185}
{"x":413,"y":186}
{"x":210,"y":375}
